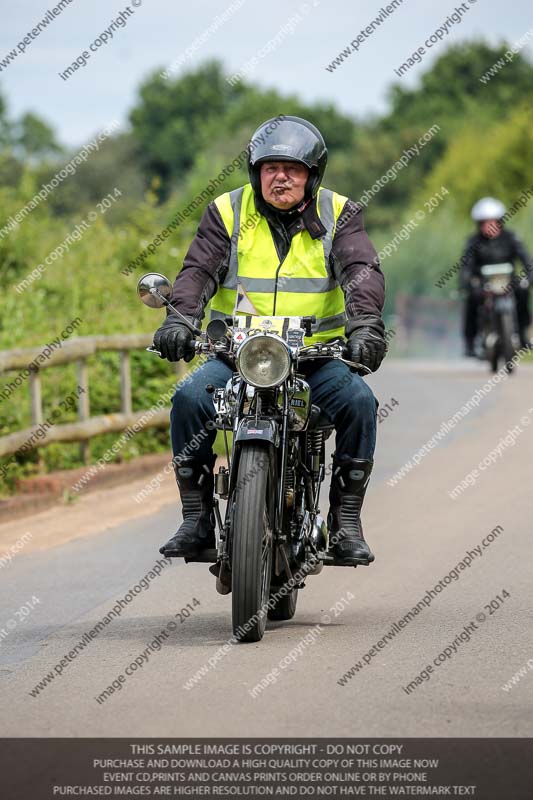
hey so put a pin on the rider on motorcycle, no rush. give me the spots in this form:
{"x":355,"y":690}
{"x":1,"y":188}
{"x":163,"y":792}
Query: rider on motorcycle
{"x":281,"y":245}
{"x":492,"y":244}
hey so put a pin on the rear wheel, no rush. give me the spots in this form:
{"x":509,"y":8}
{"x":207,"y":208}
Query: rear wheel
{"x":252,"y":542}
{"x":494,"y":358}
{"x":285,"y":607}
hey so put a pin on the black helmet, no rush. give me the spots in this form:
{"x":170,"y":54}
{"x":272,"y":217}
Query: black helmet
{"x":288,"y":139}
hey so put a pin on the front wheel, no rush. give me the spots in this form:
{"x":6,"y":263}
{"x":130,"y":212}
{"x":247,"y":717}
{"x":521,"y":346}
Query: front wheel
{"x":507,"y":337}
{"x":252,"y":542}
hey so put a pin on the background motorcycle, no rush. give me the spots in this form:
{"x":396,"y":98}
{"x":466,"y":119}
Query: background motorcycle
{"x":498,"y":324}
{"x":272,"y":535}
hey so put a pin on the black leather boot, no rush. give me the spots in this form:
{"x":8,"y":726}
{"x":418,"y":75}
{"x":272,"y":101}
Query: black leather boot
{"x":525,"y":342}
{"x":197,"y":531}
{"x":470,"y":350}
{"x":349,"y":481}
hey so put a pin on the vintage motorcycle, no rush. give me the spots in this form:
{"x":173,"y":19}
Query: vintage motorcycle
{"x":272,"y":535}
{"x":498,"y":338}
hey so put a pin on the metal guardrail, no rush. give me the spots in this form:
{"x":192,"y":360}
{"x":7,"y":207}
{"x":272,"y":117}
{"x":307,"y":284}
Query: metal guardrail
{"x":78,"y":350}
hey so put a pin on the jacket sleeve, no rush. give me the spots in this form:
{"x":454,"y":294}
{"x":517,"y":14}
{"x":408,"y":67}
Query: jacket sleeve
{"x":468,"y":263}
{"x":204,"y":265}
{"x":523,"y":255}
{"x":356,"y":265}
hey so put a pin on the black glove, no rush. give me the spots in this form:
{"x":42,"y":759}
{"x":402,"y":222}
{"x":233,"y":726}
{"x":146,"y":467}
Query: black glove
{"x":174,"y":340}
{"x":475,"y":288}
{"x":366,"y":341}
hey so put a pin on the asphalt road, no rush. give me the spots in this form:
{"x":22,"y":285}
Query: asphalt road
{"x":418,"y":533}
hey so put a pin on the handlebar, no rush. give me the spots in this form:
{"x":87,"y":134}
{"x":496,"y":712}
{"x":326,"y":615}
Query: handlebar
{"x":334,"y":350}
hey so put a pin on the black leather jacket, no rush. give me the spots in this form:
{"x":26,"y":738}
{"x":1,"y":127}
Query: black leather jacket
{"x":481,"y":251}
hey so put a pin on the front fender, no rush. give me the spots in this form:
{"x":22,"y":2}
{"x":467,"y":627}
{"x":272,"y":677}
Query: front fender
{"x":264,"y":430}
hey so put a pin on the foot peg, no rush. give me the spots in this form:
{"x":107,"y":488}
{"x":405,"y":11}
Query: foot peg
{"x":207,"y":556}
{"x":330,"y":560}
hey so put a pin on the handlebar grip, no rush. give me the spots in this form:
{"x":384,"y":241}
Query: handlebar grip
{"x":196,"y":348}
{"x":355,"y":366}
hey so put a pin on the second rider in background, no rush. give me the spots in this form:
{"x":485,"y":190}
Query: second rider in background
{"x":493,"y":244}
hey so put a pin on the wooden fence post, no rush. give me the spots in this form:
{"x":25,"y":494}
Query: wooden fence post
{"x":84,"y":405}
{"x":36,"y":404}
{"x":125,"y":382}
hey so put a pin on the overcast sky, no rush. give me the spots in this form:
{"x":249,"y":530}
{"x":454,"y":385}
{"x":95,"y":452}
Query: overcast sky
{"x":157,"y":32}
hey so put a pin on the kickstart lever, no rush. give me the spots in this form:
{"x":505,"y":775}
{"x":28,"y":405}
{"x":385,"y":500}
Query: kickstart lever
{"x":307,"y":324}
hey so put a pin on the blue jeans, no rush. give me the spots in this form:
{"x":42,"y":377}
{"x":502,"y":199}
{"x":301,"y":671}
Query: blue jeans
{"x":342,"y":396}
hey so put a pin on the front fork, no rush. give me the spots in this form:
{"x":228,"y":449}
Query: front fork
{"x":276,"y":435}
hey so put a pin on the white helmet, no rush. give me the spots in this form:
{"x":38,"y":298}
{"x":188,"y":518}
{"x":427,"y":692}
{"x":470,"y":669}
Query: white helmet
{"x":488,"y":208}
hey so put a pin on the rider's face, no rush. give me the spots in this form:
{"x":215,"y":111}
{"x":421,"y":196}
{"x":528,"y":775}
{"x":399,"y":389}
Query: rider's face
{"x":283,"y":183}
{"x":490,"y":228}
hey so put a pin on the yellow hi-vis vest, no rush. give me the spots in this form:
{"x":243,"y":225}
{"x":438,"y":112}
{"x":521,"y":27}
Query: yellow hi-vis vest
{"x":305,"y":284}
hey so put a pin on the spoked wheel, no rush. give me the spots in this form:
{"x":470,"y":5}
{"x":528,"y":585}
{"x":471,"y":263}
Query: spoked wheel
{"x":252,"y":542}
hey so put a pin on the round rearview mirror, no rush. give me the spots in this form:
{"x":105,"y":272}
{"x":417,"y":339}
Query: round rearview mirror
{"x":153,"y":289}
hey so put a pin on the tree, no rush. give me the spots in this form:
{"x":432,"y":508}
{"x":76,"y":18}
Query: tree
{"x":171,"y":117}
{"x":178,"y":122}
{"x":5,"y":131}
{"x":34,"y":139}
{"x":28,"y":139}
{"x":452,"y":88}
{"x":497,"y":161}
{"x":114,"y":165}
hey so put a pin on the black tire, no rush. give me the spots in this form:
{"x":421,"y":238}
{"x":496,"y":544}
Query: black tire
{"x":494,"y":358}
{"x":507,"y":336}
{"x":285,"y":607}
{"x":252,"y":542}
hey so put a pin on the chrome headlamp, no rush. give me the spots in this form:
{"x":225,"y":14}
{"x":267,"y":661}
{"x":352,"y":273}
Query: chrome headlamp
{"x":263,"y":360}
